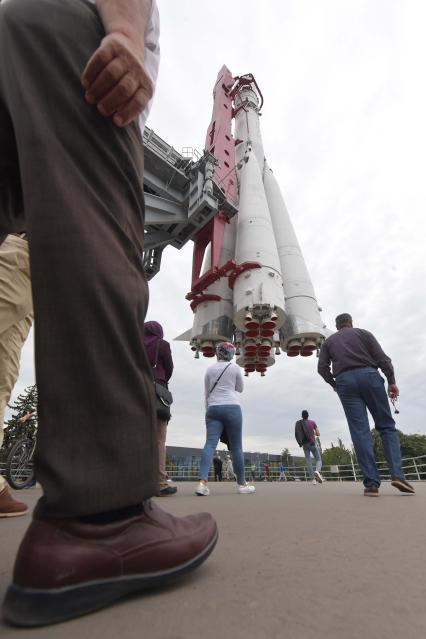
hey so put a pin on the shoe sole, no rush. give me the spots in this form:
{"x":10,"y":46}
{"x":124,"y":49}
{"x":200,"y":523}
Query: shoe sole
{"x":25,"y":512}
{"x":202,"y":494}
{"x":371,"y":494}
{"x":402,"y":487}
{"x":318,"y":477}
{"x":30,"y":607}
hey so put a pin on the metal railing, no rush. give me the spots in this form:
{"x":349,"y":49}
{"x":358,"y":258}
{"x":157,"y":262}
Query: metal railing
{"x":414,"y":470}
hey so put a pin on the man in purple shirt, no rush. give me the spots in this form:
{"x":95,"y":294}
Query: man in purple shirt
{"x":310,"y":447}
{"x":355,"y":355}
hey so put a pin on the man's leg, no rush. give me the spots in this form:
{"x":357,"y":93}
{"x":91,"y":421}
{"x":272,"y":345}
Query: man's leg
{"x":15,"y":282}
{"x":356,"y":414}
{"x":91,"y":540}
{"x":317,"y":456}
{"x":82,"y":191}
{"x":307,"y":451}
{"x":15,"y":323}
{"x":374,"y":394}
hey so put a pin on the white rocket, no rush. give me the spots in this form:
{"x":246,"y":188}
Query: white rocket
{"x":255,"y":289}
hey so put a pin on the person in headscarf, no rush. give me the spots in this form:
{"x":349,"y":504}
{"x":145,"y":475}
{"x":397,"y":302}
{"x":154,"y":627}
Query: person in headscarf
{"x":160,"y":357}
{"x":223,"y":383}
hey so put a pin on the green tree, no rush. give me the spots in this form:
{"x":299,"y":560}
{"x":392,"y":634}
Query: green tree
{"x":25,"y":403}
{"x":286,"y":457}
{"x":336,"y":455}
{"x":412,"y":445}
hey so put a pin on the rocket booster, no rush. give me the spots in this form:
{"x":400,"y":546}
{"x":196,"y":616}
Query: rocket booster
{"x":255,"y":289}
{"x":303,"y":329}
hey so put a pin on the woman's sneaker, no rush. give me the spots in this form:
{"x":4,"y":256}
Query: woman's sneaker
{"x":202,"y":490}
{"x":246,"y":490}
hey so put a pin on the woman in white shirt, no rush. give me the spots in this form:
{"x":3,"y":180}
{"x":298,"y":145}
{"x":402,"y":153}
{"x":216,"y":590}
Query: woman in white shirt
{"x":222,"y":384}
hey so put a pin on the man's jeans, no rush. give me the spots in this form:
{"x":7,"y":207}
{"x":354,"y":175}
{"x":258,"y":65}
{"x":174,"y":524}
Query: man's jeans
{"x":308,"y":449}
{"x":218,"y":418}
{"x":359,"y":389}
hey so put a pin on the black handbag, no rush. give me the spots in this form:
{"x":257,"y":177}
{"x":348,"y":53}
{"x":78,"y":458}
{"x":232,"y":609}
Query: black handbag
{"x":163,"y":397}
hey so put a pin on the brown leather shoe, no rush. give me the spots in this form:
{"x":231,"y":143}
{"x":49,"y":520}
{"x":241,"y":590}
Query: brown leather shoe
{"x":66,"y":568}
{"x":371,"y":491}
{"x":403,"y":486}
{"x":9,"y":506}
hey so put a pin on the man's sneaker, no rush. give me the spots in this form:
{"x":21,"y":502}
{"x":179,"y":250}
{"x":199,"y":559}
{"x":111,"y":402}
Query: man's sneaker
{"x":246,"y":490}
{"x":371,"y":491}
{"x":9,"y":506}
{"x":403,"y":486}
{"x":318,"y":476}
{"x":202,"y":490}
{"x":314,"y":481}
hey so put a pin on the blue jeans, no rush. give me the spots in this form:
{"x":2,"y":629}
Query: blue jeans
{"x":308,"y":449}
{"x":218,"y":418}
{"x":363,"y":388}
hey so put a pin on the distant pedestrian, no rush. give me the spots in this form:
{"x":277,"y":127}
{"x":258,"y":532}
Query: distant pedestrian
{"x":355,"y":355}
{"x":229,"y":469}
{"x":160,"y":358}
{"x":223,"y":383}
{"x":282,"y":476}
{"x":253,"y":472}
{"x":267,"y":470}
{"x":310,"y":431}
{"x":217,"y":463}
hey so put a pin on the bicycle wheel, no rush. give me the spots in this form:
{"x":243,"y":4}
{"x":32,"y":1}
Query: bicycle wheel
{"x":19,"y":464}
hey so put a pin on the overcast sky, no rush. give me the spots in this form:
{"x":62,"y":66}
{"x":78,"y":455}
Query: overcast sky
{"x":343,"y":130}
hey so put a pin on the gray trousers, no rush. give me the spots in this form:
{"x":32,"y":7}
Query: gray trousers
{"x":73,"y":181}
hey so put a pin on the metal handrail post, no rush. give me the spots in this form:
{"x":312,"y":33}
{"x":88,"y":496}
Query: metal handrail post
{"x":353,"y":467}
{"x":417,"y":470}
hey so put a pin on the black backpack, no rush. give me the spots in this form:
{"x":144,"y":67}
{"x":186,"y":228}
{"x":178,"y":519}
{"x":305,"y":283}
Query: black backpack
{"x":301,"y":433}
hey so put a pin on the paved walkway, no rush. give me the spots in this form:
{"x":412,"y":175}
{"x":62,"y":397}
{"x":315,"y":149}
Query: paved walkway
{"x":293,"y":561}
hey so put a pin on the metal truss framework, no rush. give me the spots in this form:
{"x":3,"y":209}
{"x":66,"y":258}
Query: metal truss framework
{"x":181,"y":198}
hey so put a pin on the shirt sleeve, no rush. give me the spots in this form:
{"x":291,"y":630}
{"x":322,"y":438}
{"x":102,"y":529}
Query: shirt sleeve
{"x":239,"y":384}
{"x":324,"y":362}
{"x":382,"y":360}
{"x":167,"y":360}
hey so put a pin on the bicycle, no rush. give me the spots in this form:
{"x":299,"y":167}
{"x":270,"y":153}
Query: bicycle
{"x":19,"y":463}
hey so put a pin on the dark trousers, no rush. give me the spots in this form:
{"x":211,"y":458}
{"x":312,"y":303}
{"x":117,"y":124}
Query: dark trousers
{"x":74,"y":181}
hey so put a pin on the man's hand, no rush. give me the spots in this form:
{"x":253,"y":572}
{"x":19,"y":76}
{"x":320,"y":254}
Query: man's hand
{"x":26,"y":417}
{"x":115,"y":79}
{"x":393,"y":391}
